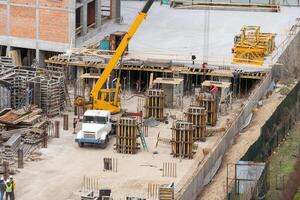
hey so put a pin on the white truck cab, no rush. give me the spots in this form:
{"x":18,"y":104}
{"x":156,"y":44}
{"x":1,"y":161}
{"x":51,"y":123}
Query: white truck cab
{"x":96,"y":127}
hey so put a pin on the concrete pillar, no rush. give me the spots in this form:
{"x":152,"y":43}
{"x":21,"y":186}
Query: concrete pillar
{"x":72,"y":24}
{"x":115,"y":10}
{"x":8,"y":48}
{"x":98,"y":13}
{"x":40,"y":58}
{"x":83,"y":15}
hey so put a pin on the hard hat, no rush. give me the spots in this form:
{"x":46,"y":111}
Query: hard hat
{"x":10,"y":176}
{"x":8,"y":181}
{"x":2,"y":178}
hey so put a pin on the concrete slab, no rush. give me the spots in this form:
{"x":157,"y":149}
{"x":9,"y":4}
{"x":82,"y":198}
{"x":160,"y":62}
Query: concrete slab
{"x":178,"y":33}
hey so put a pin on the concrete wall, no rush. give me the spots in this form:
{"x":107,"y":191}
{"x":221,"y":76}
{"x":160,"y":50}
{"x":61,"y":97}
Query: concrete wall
{"x":192,"y":187}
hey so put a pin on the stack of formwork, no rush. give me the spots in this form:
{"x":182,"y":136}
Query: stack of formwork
{"x":50,"y":97}
{"x":126,"y":141}
{"x":5,"y":95}
{"x":209,"y":102}
{"x":154,"y":104}
{"x":11,"y":146}
{"x":182,"y":139}
{"x":197,"y":116}
{"x":18,"y":91}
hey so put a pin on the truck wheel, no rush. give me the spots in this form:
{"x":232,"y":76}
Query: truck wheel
{"x":80,"y":144}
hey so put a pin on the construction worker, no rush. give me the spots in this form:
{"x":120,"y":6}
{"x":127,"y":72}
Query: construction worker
{"x":12,"y":180}
{"x":9,"y":190}
{"x":2,"y":188}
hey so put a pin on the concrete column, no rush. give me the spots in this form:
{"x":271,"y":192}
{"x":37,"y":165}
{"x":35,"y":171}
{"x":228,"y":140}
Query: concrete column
{"x":72,"y":24}
{"x":8,"y":48}
{"x":40,"y":58}
{"x":83,"y":14}
{"x":98,"y":13}
{"x":115,"y":10}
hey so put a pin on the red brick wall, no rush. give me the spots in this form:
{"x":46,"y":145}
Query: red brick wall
{"x":22,"y":22}
{"x":62,"y":3}
{"x":2,"y":19}
{"x":54,"y":25}
{"x":23,"y":1}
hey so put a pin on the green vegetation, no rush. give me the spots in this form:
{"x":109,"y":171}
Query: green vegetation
{"x":282,"y":163}
{"x":284,"y":90}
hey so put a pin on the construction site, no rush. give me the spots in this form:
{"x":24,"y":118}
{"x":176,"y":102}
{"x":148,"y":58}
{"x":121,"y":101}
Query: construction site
{"x":156,"y":100}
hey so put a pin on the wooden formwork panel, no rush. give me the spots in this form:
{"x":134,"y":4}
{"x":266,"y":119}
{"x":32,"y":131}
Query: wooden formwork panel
{"x":197,"y":116}
{"x":166,"y":193}
{"x":209,"y":102}
{"x":126,"y":141}
{"x":182,"y":139}
{"x":154,"y":103}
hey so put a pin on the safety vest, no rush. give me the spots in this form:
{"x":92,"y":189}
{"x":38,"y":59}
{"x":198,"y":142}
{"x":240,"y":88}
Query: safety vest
{"x":9,"y":188}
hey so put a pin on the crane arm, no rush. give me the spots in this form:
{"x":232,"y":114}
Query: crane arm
{"x":120,"y":50}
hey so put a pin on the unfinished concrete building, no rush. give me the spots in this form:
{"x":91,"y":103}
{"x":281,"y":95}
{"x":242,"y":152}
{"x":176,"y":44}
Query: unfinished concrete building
{"x":40,"y":29}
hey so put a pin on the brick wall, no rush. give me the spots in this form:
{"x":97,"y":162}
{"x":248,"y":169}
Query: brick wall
{"x":53,"y":22}
{"x":2,"y":20}
{"x":22,"y":22}
{"x":54,"y":25}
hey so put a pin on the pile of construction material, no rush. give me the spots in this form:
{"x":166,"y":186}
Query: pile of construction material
{"x":21,"y":86}
{"x":252,"y":46}
{"x":22,"y":130}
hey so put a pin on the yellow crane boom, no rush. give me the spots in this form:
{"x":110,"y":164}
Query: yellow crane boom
{"x":101,"y":98}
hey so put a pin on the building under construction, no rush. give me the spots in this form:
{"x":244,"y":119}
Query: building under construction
{"x":163,"y":98}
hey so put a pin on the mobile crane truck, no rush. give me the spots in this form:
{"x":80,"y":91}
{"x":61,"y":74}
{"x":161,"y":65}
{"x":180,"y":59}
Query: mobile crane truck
{"x":97,"y":123}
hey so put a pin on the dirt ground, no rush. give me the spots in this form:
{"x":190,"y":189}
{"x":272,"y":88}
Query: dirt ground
{"x":216,"y":189}
{"x":59,"y":174}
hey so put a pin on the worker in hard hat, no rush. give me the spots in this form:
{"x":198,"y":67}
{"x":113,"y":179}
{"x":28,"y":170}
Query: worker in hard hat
{"x":13,"y":182}
{"x":9,"y":190}
{"x":2,"y":188}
